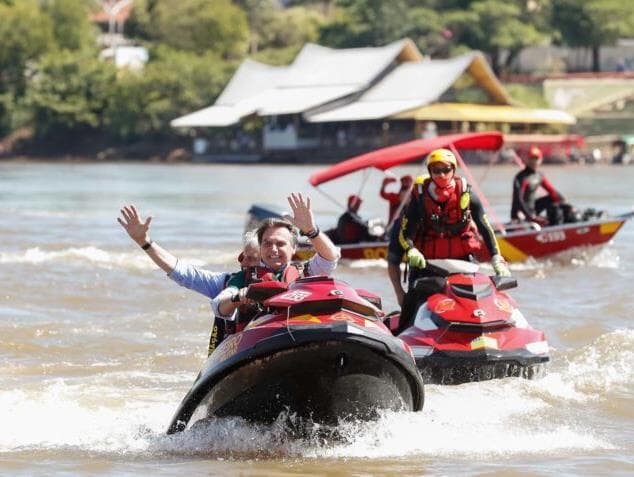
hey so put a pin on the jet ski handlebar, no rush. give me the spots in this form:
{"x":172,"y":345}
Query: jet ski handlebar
{"x":262,"y":291}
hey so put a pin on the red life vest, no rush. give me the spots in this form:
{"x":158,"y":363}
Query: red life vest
{"x":246,"y":313}
{"x":448,"y":231}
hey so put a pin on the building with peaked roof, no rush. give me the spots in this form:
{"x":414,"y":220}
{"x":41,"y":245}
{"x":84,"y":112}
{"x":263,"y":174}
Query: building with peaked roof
{"x":329,"y":103}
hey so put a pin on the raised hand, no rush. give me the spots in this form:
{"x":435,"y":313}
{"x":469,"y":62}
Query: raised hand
{"x":134,"y":225}
{"x":302,"y":214}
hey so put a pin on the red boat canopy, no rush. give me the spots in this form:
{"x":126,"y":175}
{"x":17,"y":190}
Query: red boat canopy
{"x":392,"y":156}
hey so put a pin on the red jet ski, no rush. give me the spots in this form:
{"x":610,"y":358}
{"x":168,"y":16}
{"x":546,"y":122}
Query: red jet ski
{"x":319,"y":349}
{"x":467,"y":328}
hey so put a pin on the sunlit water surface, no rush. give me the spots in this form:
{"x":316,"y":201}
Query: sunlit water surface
{"x":97,"y":346}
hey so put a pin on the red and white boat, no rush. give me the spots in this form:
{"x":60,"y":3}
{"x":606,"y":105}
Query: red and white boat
{"x":517,"y":241}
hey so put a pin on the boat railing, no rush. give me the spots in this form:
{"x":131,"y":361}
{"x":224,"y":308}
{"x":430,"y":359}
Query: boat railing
{"x":520,"y":227}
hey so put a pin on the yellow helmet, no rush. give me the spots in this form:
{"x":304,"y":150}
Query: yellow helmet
{"x":442,"y":155}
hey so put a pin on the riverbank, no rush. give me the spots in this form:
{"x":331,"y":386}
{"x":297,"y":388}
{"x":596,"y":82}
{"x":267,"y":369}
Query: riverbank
{"x":21,"y":145}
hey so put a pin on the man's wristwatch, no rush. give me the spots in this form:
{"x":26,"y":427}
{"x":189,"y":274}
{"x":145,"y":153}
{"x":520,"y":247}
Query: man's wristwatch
{"x":236,"y":297}
{"x":311,"y":234}
{"x":147,"y":245}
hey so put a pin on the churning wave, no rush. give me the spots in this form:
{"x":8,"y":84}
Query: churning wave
{"x":500,"y":419}
{"x":133,"y":260}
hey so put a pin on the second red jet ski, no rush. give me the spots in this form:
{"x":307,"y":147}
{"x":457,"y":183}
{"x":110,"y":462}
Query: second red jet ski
{"x":465,"y":327}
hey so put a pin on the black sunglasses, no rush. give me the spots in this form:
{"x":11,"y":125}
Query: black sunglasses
{"x":441,"y":170}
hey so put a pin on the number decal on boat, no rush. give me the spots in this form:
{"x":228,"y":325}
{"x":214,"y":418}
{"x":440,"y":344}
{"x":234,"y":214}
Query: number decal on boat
{"x":296,"y":295}
{"x":374,"y":253}
{"x":551,"y":236}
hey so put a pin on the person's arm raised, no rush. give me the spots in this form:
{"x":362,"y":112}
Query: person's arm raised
{"x":303,"y":219}
{"x":138,"y":230}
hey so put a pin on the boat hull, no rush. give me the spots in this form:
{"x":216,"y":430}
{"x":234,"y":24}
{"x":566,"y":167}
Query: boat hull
{"x":514,"y":246}
{"x":324,"y":375}
{"x":458,"y":367}
{"x":518,"y":246}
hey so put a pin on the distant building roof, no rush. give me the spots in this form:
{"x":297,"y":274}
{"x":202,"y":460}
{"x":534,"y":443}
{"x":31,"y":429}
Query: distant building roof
{"x":117,"y":10}
{"x":316,"y":76}
{"x":133,"y":57}
{"x":403,"y":89}
{"x":329,"y":85}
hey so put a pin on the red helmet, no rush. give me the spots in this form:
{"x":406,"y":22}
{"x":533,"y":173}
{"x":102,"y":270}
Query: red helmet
{"x":406,"y":181}
{"x":535,"y":153}
{"x":354,"y":202}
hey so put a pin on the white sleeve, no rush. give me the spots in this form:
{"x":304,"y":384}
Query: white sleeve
{"x":215,"y":303}
{"x":318,"y":265}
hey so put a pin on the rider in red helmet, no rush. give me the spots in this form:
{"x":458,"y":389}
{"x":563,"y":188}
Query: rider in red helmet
{"x":396,"y":199}
{"x":351,"y":228}
{"x":526,"y":184}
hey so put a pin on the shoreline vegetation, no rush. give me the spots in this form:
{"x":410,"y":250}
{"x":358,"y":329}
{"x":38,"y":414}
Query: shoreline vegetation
{"x":61,"y":97}
{"x":19,"y":146}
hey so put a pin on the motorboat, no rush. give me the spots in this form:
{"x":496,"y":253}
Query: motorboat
{"x":517,"y":241}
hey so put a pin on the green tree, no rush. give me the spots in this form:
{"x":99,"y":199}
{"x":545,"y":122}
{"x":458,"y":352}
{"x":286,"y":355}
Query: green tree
{"x":69,"y":93}
{"x":271,"y":26}
{"x":71,"y":25}
{"x":497,"y":27}
{"x":139,"y":24}
{"x":199,"y":26}
{"x":260,"y":15}
{"x":172,"y":84}
{"x":592,"y":23}
{"x":359,"y":23}
{"x":25,"y":34}
{"x":368,"y":23}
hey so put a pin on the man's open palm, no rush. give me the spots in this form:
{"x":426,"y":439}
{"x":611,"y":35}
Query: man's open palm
{"x":133,"y":224}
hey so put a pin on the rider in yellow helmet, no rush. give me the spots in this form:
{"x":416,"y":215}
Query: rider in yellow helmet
{"x":445,"y":220}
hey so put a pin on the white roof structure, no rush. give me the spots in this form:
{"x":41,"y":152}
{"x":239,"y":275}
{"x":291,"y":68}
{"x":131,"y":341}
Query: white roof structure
{"x":355,"y":84}
{"x":318,"y":75}
{"x":409,"y":86}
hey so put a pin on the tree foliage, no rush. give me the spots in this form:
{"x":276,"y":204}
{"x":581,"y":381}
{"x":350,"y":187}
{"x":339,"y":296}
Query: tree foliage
{"x":194,"y":25}
{"x":173,"y":84}
{"x":71,"y":26}
{"x":25,"y":33}
{"x":50,"y":74}
{"x":69,"y":93}
{"x":592,"y":23}
{"x":496,"y":27}
{"x":272,"y":27}
{"x":368,"y":23}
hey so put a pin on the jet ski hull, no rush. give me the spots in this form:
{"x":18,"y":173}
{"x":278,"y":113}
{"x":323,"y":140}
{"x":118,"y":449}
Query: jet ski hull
{"x":322,"y":373}
{"x":465,"y":367}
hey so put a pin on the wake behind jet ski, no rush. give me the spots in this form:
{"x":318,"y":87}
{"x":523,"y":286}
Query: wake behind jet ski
{"x":467,"y":328}
{"x":320,"y":350}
